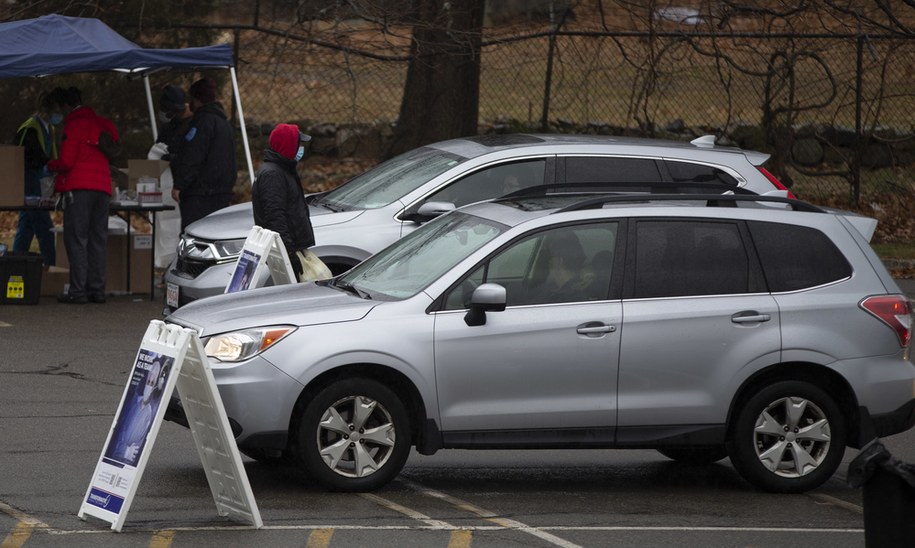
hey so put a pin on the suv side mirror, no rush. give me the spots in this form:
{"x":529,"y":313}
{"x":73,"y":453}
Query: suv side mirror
{"x":429,"y":211}
{"x":487,"y":297}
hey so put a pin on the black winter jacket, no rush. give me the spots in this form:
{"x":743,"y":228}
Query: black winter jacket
{"x":279,"y":202}
{"x":206,"y":162}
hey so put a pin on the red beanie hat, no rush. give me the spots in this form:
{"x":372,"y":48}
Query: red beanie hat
{"x":285,"y":140}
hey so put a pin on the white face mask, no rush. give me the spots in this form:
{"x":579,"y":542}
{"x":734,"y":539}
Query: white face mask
{"x":300,"y":153}
{"x":165,"y":118}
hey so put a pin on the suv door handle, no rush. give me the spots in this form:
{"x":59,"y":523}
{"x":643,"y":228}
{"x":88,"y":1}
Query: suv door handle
{"x":592,"y":328}
{"x":750,"y":317}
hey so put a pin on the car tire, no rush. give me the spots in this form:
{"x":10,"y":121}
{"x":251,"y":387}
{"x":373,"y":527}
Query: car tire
{"x":789,"y":437}
{"x":352,"y":451}
{"x":696,"y":455}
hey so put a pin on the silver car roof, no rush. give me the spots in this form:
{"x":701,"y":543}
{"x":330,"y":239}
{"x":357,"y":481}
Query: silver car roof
{"x":471,"y":147}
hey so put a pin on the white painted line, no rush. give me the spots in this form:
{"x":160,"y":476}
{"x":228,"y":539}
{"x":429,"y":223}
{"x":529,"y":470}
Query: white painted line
{"x":490,"y":516}
{"x":391,"y":505}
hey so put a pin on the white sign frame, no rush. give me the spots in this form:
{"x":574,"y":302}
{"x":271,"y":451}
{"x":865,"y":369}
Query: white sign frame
{"x":176,"y":357}
{"x":263,"y":248}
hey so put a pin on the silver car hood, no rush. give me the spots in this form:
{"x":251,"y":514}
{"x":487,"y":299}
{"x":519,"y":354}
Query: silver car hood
{"x":234,"y":222}
{"x":293,"y":304}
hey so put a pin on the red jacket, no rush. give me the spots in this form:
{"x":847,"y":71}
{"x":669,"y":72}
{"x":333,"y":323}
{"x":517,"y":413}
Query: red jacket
{"x":81,"y":165}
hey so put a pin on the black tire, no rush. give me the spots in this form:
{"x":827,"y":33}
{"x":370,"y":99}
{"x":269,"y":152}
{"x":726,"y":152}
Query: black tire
{"x":362,"y":454}
{"x":792,"y":461}
{"x":696,"y":455}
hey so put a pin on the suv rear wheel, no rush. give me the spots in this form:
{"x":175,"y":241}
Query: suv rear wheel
{"x":354,"y":436}
{"x":789,"y":437}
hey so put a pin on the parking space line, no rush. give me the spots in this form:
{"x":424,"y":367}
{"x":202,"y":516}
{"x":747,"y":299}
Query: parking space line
{"x":319,"y":538}
{"x":490,"y":516}
{"x":22,"y":516}
{"x":391,"y":505}
{"x":18,"y":536}
{"x":460,"y":538}
{"x":162,"y":539}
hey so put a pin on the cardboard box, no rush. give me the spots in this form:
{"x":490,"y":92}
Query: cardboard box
{"x":116,"y":261}
{"x":53,"y":280}
{"x":144,"y":168}
{"x":12,"y":175}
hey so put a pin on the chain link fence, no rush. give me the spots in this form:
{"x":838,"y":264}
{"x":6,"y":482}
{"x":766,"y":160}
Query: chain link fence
{"x":835,"y":111}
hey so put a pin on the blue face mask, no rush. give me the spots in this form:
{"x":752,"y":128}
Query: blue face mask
{"x":300,"y":153}
{"x":57,"y":118}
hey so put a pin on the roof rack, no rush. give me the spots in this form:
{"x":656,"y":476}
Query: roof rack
{"x":713,"y":200}
{"x":659,"y":187}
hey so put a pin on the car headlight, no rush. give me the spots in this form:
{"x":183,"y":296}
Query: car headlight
{"x":241,"y":345}
{"x":228,"y":248}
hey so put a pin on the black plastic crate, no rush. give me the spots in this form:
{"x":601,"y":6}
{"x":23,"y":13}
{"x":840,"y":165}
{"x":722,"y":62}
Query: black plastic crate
{"x":20,"y":278}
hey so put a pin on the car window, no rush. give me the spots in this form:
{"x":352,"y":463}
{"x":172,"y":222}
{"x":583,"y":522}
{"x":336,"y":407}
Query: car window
{"x":564,"y":264}
{"x":391,"y":180}
{"x":687,"y":172}
{"x":407,"y":266}
{"x":492,"y":182}
{"x":797,"y":257}
{"x":684,"y":257}
{"x":602,"y":169}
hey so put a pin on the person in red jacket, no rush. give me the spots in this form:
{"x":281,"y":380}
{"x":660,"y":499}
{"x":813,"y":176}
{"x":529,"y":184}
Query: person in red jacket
{"x":84,"y":182}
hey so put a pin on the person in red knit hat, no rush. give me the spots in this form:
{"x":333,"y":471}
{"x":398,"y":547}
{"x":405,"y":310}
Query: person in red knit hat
{"x":279,"y":201}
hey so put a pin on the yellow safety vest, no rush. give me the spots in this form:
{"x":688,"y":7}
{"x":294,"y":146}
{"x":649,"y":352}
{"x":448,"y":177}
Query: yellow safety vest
{"x":35,"y":124}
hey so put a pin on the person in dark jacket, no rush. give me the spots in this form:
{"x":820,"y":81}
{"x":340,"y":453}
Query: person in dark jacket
{"x":279,"y":201}
{"x":205,"y":170}
{"x":84,"y":182}
{"x":175,"y":115}
{"x":36,"y":136}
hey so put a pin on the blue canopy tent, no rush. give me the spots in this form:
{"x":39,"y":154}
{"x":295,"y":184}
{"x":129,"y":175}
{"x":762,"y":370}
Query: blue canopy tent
{"x":56,"y":44}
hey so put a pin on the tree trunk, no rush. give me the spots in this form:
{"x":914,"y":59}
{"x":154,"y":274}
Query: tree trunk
{"x":441,"y":97}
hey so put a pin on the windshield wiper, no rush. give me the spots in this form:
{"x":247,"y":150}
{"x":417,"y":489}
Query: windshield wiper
{"x":350,"y":288}
{"x":328,"y":205}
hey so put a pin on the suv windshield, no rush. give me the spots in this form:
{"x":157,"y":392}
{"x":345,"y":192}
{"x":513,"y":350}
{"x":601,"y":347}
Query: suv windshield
{"x":406,"y":267}
{"x":390,"y":180}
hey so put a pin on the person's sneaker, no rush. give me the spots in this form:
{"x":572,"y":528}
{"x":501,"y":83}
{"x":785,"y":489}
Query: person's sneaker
{"x":98,"y":298}
{"x":66,"y":298}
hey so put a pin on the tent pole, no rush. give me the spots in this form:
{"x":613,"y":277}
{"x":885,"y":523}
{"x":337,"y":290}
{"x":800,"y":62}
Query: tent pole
{"x":149,"y":105}
{"x":241,"y":121}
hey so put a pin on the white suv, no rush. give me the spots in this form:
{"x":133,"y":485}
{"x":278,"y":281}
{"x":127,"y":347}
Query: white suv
{"x":704,"y":326}
{"x":383,"y":204}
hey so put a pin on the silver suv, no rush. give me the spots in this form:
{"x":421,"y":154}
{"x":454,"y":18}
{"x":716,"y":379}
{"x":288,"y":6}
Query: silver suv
{"x":761,"y":329}
{"x":382,"y":205}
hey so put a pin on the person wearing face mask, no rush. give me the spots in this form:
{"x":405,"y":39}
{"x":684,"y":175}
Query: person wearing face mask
{"x":36,"y":136}
{"x":279,"y":201}
{"x":205,"y":170}
{"x":175,"y":115}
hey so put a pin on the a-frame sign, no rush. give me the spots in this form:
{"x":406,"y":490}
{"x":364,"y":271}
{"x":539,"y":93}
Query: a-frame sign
{"x":169,"y":357}
{"x":263,"y":249}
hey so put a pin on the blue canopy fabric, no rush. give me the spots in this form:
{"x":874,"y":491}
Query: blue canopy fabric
{"x":56,"y":44}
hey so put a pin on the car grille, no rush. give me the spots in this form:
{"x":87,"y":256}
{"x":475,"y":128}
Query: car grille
{"x":191,"y":269}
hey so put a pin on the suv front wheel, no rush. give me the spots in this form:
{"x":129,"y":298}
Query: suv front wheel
{"x":354,"y":435}
{"x":789,"y":437}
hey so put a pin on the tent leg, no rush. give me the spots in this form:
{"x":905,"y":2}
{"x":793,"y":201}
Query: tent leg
{"x":241,"y":120}
{"x":149,"y":105}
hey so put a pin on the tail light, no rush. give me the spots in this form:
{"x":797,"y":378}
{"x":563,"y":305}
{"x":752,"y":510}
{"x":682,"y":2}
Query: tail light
{"x":895,"y":311}
{"x":778,"y":184}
